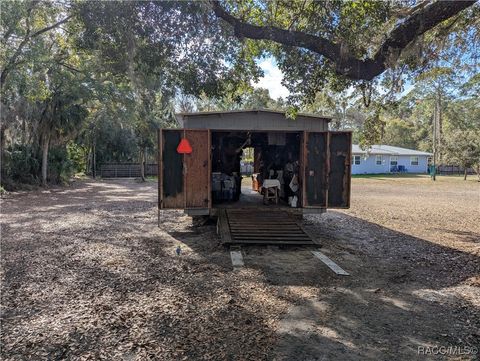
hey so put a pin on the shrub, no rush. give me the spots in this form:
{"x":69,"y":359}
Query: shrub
{"x":20,"y":165}
{"x":60,"y":166}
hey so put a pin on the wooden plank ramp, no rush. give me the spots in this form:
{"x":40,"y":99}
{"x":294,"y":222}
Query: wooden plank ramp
{"x":269,"y":227}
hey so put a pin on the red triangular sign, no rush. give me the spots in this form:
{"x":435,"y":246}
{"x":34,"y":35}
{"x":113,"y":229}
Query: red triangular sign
{"x":184,"y":147}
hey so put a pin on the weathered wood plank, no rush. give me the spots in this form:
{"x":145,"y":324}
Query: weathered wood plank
{"x":274,"y":228}
{"x":262,"y":242}
{"x":237,"y":259}
{"x":332,"y":265}
{"x":271,"y":234}
{"x":267,"y":231}
{"x":223,"y":228}
{"x":308,"y":233}
{"x":196,"y":169}
{"x":272,"y":239}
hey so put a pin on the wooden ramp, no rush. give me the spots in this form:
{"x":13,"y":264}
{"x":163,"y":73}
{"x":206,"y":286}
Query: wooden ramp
{"x":266,"y":227}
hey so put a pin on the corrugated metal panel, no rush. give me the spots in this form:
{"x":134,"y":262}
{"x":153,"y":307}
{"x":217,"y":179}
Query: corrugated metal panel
{"x":171,"y":170}
{"x":339,"y":176}
{"x":253,"y":120}
{"x":316,"y":169}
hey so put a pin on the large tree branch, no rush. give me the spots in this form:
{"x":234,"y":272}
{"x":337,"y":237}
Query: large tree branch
{"x":53,"y":26}
{"x":13,"y":60}
{"x":420,"y":21}
{"x":417,"y":24}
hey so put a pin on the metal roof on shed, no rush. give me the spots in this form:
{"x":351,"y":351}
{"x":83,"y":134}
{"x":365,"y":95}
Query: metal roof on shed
{"x":253,"y":120}
{"x":310,"y":115}
{"x":387,"y":149}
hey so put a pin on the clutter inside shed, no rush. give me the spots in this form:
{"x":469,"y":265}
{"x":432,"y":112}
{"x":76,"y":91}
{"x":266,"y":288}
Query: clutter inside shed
{"x":275,"y":178}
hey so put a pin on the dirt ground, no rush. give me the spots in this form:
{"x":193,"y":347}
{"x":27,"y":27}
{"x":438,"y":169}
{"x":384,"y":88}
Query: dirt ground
{"x":87,"y":275}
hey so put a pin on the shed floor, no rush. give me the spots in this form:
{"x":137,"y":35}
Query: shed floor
{"x":251,"y":198}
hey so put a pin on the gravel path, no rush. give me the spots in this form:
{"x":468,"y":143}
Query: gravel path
{"x":87,"y":275}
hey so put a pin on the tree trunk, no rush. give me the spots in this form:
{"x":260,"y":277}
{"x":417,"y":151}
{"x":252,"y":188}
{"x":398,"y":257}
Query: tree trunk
{"x":2,"y":146}
{"x":45,"y":145}
{"x":87,"y":161}
{"x":434,"y":136}
{"x":438,"y":107}
{"x":142,"y":164}
{"x":94,"y":161}
{"x":465,"y":174}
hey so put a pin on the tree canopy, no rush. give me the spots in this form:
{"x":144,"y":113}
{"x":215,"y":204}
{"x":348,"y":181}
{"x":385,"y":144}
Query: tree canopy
{"x":89,"y":82}
{"x":344,"y":42}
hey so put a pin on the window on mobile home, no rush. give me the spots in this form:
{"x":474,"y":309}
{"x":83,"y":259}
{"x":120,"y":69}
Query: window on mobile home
{"x":413,"y":160}
{"x":393,"y":160}
{"x":356,"y":159}
{"x":378,"y":160}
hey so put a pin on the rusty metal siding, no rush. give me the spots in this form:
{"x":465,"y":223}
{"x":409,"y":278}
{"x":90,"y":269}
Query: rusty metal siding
{"x":339,"y":177}
{"x":316,"y":169}
{"x":324,"y":170}
{"x":171,"y":170}
{"x":302,"y":167}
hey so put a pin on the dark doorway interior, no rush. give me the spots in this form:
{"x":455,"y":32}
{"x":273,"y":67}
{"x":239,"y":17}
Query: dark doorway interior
{"x":276,"y":155}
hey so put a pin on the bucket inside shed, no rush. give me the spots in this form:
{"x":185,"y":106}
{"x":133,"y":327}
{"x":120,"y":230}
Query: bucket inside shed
{"x":245,"y":164}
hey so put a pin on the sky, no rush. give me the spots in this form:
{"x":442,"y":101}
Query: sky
{"x":272,"y":79}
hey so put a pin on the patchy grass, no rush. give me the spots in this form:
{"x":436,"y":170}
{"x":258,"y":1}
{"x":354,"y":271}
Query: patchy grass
{"x":454,"y":178}
{"x":389,"y":175}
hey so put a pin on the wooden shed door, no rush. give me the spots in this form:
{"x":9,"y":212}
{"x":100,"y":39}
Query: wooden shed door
{"x":196,"y":167}
{"x":184,"y":179}
{"x":316,"y":169}
{"x":339,"y":176}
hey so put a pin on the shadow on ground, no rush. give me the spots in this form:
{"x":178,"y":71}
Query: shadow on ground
{"x":86,"y":272}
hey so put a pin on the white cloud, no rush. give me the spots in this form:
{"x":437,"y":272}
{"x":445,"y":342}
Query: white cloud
{"x":272,"y":79}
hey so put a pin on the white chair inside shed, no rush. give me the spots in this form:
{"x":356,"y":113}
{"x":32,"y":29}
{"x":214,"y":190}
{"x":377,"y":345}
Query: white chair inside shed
{"x":270,"y":188}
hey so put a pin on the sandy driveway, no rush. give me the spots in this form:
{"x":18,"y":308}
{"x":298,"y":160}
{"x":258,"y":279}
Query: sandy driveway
{"x":86,"y":274}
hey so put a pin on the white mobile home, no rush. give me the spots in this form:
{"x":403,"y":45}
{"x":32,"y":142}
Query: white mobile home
{"x":380,"y":158}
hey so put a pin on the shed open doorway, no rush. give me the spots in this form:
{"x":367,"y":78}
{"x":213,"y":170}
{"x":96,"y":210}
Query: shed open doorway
{"x":320,"y":158}
{"x":273,"y":159}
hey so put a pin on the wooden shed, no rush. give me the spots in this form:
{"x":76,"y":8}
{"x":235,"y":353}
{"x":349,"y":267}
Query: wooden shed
{"x":311,"y":163}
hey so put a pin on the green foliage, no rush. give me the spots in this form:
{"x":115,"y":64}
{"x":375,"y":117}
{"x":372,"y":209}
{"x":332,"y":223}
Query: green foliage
{"x":20,"y":165}
{"x":99,"y":78}
{"x":359,"y":29}
{"x":372,"y":132}
{"x":61,"y":167}
{"x":400,"y":133}
{"x":77,"y":154}
{"x":182,"y":44}
{"x":462,"y":147}
{"x":245,"y":98}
